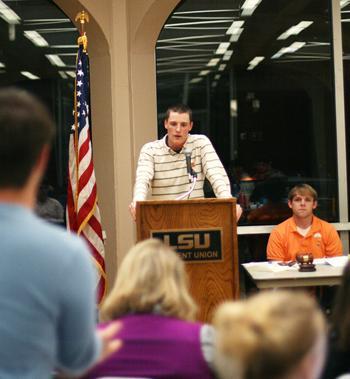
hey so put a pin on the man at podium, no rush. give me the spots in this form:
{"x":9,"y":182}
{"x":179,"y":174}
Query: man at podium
{"x":177,"y":165}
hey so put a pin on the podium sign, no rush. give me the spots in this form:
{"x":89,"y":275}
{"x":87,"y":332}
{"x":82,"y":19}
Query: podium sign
{"x":204,"y":234}
{"x":193,"y":245}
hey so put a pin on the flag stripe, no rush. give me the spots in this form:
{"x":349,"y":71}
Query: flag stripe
{"x":96,"y":226}
{"x":87,"y":176}
{"x":96,"y":256}
{"x":86,"y":208}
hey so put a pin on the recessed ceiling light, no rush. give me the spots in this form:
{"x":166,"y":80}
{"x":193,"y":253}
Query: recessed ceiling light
{"x":7,"y":14}
{"x":63,"y":75}
{"x":55,"y":60}
{"x":196,"y":80}
{"x":254,"y":62}
{"x":213,"y":62}
{"x":249,"y":7}
{"x":235,"y":27}
{"x":290,"y":49}
{"x":222,"y":48}
{"x":29,"y":75}
{"x":227,"y":55}
{"x":71,"y":74}
{"x":344,"y":3}
{"x":36,"y":38}
{"x":294,"y":30}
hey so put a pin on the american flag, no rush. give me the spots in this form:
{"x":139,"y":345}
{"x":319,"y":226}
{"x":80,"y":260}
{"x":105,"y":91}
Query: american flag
{"x":83,"y":215}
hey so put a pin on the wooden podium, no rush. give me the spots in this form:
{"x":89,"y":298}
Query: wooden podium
{"x":204,"y":233}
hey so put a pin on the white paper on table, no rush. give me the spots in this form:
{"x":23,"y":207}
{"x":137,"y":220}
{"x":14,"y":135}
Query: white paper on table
{"x":337,"y":261}
{"x":272,"y":266}
{"x":319,"y":261}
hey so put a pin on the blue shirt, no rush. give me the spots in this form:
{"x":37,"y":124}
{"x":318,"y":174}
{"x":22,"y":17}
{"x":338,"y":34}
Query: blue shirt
{"x":47,"y":299}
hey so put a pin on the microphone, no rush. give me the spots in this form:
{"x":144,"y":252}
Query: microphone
{"x":188,"y":153}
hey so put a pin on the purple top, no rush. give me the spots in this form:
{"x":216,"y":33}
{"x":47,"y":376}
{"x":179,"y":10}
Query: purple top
{"x":156,"y":346}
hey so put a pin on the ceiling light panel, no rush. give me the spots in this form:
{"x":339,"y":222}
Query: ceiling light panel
{"x":36,"y":38}
{"x":254,"y":62}
{"x":294,"y":30}
{"x":290,"y":49}
{"x":249,"y":6}
{"x":227,"y":55}
{"x":213,"y":62}
{"x":71,"y":74}
{"x":222,"y":48}
{"x":29,"y":75}
{"x":344,"y":3}
{"x":63,"y":74}
{"x":55,"y":60}
{"x":235,"y":27}
{"x":7,"y":14}
{"x":196,"y":80}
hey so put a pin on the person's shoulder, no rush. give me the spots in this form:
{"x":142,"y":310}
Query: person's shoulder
{"x":154,"y":144}
{"x":59,"y":240}
{"x":198,"y":137}
{"x":198,"y":140}
{"x":282,"y":227}
{"x":322,"y":223}
{"x":284,"y":224}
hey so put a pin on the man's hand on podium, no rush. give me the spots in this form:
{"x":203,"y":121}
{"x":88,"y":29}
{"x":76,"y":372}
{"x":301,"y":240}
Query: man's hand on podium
{"x":239,"y":212}
{"x":132,"y":209}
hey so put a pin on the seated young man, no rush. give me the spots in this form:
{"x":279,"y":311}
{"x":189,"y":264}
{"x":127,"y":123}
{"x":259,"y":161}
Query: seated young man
{"x":303,"y":232}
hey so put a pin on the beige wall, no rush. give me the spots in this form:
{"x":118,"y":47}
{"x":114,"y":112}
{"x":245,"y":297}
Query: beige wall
{"x":122,"y":36}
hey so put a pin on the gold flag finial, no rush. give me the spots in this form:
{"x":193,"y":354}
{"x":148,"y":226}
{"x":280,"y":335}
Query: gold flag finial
{"x":82,"y":17}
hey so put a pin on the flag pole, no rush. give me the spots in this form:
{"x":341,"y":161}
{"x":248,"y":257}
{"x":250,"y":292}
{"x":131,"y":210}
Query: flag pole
{"x":82,"y":17}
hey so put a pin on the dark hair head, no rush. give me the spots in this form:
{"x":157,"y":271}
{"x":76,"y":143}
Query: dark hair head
{"x":25,"y":128}
{"x":179,"y":108}
{"x":302,"y":189}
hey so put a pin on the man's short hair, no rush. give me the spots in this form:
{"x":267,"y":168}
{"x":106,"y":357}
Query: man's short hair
{"x":25,"y":128}
{"x":302,"y":189}
{"x":179,"y":108}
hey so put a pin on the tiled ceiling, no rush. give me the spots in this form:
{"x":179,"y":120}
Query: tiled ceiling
{"x":188,"y":44}
{"x":187,"y":48}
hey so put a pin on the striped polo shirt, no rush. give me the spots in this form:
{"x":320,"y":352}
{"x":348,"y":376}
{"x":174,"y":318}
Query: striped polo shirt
{"x":162,"y":174}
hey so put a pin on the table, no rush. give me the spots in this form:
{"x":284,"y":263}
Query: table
{"x":325,"y":275}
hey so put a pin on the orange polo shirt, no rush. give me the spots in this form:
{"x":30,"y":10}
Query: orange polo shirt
{"x":285,"y":242}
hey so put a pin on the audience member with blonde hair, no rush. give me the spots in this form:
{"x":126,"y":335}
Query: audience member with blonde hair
{"x":272,"y":335}
{"x":160,"y":339}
